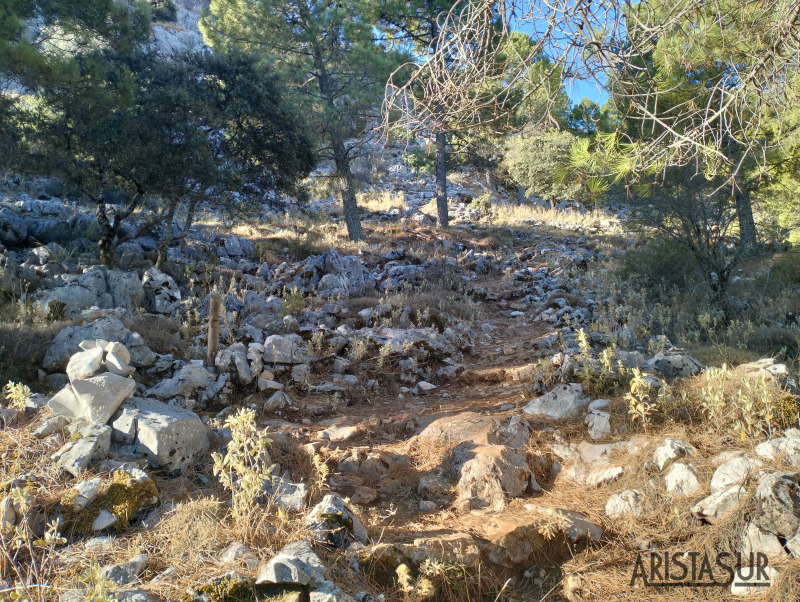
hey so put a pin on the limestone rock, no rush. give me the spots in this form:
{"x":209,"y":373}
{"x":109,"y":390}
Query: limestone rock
{"x":190,"y":381}
{"x":675,"y":363}
{"x":85,"y":364}
{"x":67,"y":343}
{"x":669,"y":451}
{"x":126,"y":572}
{"x":733,"y":472}
{"x":285,"y":349}
{"x":171,"y":437}
{"x":562,"y":402}
{"x":92,"y":443}
{"x":162,"y":295}
{"x":681,"y":479}
{"x":714,"y":507}
{"x":93,"y":399}
{"x":625,"y":503}
{"x":334,"y":522}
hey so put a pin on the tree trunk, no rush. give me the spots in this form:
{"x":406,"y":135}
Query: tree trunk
{"x":349,"y":205}
{"x":166,"y":236}
{"x":106,"y":246}
{"x":441,"y":180}
{"x":747,"y":225}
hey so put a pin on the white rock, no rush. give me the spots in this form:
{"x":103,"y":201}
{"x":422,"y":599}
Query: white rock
{"x":104,"y":520}
{"x":120,"y":350}
{"x":733,"y":472}
{"x":86,"y":493}
{"x":170,"y":436}
{"x":681,"y":479}
{"x":755,"y":540}
{"x":562,"y":402}
{"x":669,"y":451}
{"x":746,"y":578}
{"x":116,"y":365}
{"x":599,"y":424}
{"x":629,"y":502}
{"x":85,"y":364}
{"x":93,"y":399}
{"x":238,"y":552}
{"x":718,"y":504}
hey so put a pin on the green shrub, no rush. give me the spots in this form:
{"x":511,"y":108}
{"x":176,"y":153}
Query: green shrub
{"x":540,"y":162}
{"x":163,"y":10}
{"x":421,"y":159}
{"x":659,"y":263}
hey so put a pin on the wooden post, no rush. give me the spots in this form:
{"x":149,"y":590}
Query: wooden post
{"x":213,"y":329}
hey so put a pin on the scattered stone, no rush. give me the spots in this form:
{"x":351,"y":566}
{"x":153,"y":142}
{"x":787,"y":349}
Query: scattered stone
{"x":786,"y":448}
{"x":681,"y":479}
{"x":718,"y":504}
{"x":733,"y":472}
{"x":675,"y":363}
{"x":236,"y":553}
{"x":333,"y":522}
{"x":625,"y":503}
{"x":282,"y":492}
{"x":669,"y":451}
{"x":126,"y":572}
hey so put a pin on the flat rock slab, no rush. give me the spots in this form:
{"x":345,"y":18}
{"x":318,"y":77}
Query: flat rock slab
{"x":93,"y":399}
{"x":562,"y":402}
{"x":92,"y":443}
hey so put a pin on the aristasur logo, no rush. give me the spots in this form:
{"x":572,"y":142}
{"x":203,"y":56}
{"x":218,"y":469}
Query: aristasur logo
{"x":694,"y":569}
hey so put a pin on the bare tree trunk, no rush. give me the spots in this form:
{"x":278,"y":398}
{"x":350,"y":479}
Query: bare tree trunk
{"x":748,"y":238}
{"x":441,"y":179}
{"x":213,"y":330}
{"x":349,"y":205}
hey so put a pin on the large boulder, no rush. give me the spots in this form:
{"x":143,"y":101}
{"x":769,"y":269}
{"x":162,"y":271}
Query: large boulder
{"x":486,"y":462}
{"x":107,"y":328}
{"x":193,"y":381}
{"x":162,"y":295}
{"x":13,"y":228}
{"x":125,"y":289}
{"x":333,"y":275}
{"x":675,"y":363}
{"x":171,"y":437}
{"x":285,"y":349}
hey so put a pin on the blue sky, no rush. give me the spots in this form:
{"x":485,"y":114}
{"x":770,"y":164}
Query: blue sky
{"x":577,"y":90}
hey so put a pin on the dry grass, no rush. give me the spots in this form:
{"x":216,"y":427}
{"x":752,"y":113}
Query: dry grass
{"x":515,"y":215}
{"x":379,"y":202}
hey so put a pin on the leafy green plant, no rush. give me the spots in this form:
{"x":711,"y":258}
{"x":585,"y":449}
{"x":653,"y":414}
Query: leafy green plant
{"x":640,"y":406}
{"x":246,"y":463}
{"x":357,"y":349}
{"x":17,"y":395}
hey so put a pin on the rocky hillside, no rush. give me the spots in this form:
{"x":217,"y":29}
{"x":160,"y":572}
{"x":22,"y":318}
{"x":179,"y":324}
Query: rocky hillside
{"x":476,"y":415}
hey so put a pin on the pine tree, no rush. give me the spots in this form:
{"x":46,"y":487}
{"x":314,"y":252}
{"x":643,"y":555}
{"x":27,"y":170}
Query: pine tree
{"x":328,"y":53}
